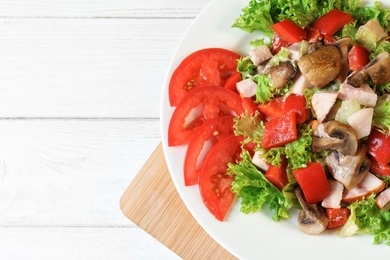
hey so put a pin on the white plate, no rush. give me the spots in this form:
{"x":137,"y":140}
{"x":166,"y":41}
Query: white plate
{"x":254,"y":236}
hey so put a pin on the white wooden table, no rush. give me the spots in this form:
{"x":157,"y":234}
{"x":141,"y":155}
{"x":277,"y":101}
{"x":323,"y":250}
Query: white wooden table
{"x":80,"y":86}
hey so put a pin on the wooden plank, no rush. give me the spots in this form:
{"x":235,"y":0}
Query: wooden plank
{"x":85,"y":67}
{"x":102,"y":8}
{"x":70,"y":172}
{"x":64,"y":243}
{"x":152,"y":202}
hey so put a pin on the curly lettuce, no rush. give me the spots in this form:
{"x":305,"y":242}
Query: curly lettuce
{"x":365,"y":218}
{"x":255,"y":190}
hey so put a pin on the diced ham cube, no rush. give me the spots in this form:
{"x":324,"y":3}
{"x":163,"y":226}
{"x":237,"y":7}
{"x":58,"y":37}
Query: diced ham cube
{"x":383,"y":200}
{"x":295,"y":51}
{"x":260,"y":55}
{"x":368,"y":186}
{"x":247,"y":87}
{"x":300,"y":84}
{"x":361,"y":121}
{"x":322,"y":102}
{"x":334,"y":198}
{"x":260,"y":161}
{"x":365,"y":94}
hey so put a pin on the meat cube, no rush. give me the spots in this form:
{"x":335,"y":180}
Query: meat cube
{"x":260,"y":55}
{"x":247,"y":87}
{"x":322,"y":102}
{"x":383,"y":200}
{"x":365,"y":94}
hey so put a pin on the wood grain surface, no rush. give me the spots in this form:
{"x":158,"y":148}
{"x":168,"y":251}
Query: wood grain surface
{"x":73,"y":131}
{"x":152,"y":202}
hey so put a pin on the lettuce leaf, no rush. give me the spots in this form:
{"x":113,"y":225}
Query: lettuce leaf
{"x":259,"y":15}
{"x":381,"y":117}
{"x":249,"y":126}
{"x":255,"y":190}
{"x":366,"y":217}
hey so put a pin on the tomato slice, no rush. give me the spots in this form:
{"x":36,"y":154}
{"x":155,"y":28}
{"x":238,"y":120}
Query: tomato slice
{"x":313,"y":182}
{"x":211,"y":131}
{"x":206,"y":67}
{"x":280,"y":131}
{"x":214,"y":183}
{"x":199,"y":105}
{"x":337,"y":217}
{"x":289,"y":31}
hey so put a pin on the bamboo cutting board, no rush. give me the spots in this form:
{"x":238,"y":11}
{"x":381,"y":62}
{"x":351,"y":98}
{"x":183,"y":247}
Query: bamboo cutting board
{"x":152,"y":202}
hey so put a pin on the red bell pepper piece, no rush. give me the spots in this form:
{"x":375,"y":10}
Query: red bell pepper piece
{"x":337,"y":217}
{"x":277,"y":175}
{"x":289,"y":31}
{"x":297,"y":103}
{"x":358,"y":57}
{"x":249,"y":106}
{"x":379,"y":169}
{"x":379,"y":146}
{"x":313,"y":182}
{"x":280,"y":131}
{"x":331,"y":22}
{"x":272,"y":109}
{"x":231,"y":82}
{"x":313,"y":35}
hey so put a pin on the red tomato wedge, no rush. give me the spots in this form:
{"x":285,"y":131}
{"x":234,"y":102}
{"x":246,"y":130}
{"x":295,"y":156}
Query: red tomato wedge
{"x":214,"y":183}
{"x":280,"y":131}
{"x":199,"y":105}
{"x":331,"y":22}
{"x":206,"y":67}
{"x":358,"y":57}
{"x":337,"y":217}
{"x":209,"y":133}
{"x":289,"y":31}
{"x":313,"y":182}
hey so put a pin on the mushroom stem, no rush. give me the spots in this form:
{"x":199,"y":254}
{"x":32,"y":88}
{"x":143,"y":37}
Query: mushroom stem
{"x":312,"y":219}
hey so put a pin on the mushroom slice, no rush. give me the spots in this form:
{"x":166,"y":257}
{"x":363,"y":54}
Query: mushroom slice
{"x":344,"y":44}
{"x":321,"y":66}
{"x":312,"y":219}
{"x":335,"y":135}
{"x":379,"y":68}
{"x":281,"y":74}
{"x":358,"y":78}
{"x":349,"y":170}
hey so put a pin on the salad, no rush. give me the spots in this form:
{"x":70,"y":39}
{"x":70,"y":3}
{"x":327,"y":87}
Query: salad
{"x":302,"y":121}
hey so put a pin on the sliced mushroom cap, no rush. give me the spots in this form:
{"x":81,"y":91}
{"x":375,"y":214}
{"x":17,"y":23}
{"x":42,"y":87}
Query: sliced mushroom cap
{"x":344,"y":44}
{"x":358,"y":78}
{"x":349,"y":170}
{"x":281,"y":74}
{"x":312,"y":219}
{"x":335,"y":135}
{"x":321,"y":66}
{"x":379,"y":68}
